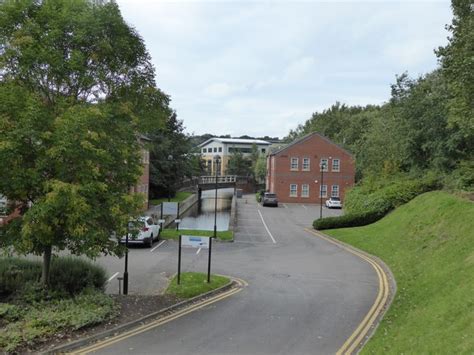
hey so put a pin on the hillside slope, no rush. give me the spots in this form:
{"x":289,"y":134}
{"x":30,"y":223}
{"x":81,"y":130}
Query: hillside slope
{"x":429,"y":246}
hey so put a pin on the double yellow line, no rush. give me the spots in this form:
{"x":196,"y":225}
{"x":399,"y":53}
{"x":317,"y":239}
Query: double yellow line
{"x":156,"y":323}
{"x":363,"y":329}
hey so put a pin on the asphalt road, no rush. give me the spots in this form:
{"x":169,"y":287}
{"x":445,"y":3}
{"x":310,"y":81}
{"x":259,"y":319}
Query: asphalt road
{"x":305,"y":295}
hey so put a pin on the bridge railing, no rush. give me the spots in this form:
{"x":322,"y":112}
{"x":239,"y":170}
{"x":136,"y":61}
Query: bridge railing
{"x":220,"y":179}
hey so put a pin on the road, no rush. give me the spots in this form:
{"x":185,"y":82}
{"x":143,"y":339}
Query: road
{"x":305,"y":295}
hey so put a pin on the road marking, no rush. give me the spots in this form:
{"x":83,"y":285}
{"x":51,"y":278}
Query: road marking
{"x":361,"y":332}
{"x":265,"y":225}
{"x":161,"y":321}
{"x":304,"y":207}
{"x":285,"y":206}
{"x":112,"y":277}
{"x":198,"y":251}
{"x":159,"y":245}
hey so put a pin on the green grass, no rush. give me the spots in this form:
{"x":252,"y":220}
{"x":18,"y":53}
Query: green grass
{"x":179,"y":197}
{"x":429,"y":246}
{"x":194,"y":283}
{"x":172,"y":233}
{"x":24,"y":324}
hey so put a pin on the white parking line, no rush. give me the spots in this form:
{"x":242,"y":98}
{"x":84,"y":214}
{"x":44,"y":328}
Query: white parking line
{"x":265,"y":225}
{"x":304,"y":207}
{"x":285,"y":206}
{"x":198,"y":251}
{"x":112,"y":277}
{"x":159,"y":245}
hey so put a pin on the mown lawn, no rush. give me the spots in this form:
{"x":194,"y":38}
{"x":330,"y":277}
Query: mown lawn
{"x":172,"y":233}
{"x":194,"y":283}
{"x":179,"y":197}
{"x":429,"y":246}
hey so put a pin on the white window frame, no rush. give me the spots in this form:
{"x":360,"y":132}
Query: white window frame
{"x":308,"y":167}
{"x":295,"y":194}
{"x":292,"y":160}
{"x":305,"y":190}
{"x":335,"y":191}
{"x":338,"y":165}
{"x":326,"y":160}
{"x":325,"y":189}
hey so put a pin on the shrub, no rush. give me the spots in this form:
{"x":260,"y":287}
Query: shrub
{"x":370,"y":202}
{"x":348,"y":220}
{"x":20,"y":277}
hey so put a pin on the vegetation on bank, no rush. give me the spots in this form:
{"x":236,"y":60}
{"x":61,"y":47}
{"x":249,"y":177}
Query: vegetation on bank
{"x":172,"y":233}
{"x":428,"y":244}
{"x":180,"y":196}
{"x":30,"y":313}
{"x":194,"y":283}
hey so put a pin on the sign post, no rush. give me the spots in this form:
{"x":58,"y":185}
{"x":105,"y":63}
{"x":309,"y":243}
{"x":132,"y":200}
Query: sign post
{"x":209,"y":262}
{"x":179,"y":260}
{"x":189,"y":241}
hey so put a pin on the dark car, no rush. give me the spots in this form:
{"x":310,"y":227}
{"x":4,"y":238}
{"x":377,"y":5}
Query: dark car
{"x":269,"y":199}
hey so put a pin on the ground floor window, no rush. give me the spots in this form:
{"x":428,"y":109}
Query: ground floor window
{"x":335,"y":191}
{"x":323,"y":192}
{"x":305,"y":190}
{"x":293,"y":190}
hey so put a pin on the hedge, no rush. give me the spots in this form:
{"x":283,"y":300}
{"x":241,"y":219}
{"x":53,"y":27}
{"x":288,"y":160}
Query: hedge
{"x":348,"y":220}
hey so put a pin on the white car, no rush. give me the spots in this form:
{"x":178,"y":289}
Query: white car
{"x":334,"y":202}
{"x":146,"y":231}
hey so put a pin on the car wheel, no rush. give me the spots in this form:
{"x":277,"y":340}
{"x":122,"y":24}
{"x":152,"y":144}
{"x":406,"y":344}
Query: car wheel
{"x":150,"y":243}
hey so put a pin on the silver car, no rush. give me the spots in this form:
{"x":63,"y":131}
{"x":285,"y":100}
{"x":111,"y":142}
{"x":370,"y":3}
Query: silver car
{"x":269,"y":199}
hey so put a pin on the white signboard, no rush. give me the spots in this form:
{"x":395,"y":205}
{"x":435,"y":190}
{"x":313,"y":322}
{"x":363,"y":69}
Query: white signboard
{"x":190,"y":241}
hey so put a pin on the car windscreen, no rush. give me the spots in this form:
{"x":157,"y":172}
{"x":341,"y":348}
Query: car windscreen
{"x":335,"y":199}
{"x":270,"y":195}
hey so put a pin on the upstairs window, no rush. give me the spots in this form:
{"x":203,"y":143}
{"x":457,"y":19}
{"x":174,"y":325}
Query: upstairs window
{"x":336,"y":165}
{"x":306,"y":162}
{"x":294,"y":164}
{"x":204,"y":150}
{"x":220,"y":149}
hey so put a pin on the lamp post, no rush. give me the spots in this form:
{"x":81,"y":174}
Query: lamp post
{"x":125,"y":273}
{"x":322,"y":167}
{"x":217,"y":159}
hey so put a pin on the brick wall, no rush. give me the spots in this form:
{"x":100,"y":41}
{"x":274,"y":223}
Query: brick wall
{"x":314,"y":148}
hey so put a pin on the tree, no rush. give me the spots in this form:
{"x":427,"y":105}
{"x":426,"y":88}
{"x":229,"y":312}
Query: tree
{"x":260,"y":170}
{"x":458,"y":68}
{"x":77,"y":88}
{"x":239,"y":165}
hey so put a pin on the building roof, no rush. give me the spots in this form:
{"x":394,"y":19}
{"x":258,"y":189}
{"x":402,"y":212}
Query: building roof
{"x":235,"y":141}
{"x":306,"y":137}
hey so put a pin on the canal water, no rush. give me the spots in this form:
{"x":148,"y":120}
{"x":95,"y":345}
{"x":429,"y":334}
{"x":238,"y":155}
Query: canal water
{"x":201,"y":216}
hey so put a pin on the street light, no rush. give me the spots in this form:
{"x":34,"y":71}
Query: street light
{"x":125,"y":273}
{"x":217,"y":159}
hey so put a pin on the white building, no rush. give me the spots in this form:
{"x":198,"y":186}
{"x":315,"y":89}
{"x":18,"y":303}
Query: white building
{"x":225,"y":147}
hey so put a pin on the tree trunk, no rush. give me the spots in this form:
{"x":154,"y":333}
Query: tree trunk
{"x":46,"y":265}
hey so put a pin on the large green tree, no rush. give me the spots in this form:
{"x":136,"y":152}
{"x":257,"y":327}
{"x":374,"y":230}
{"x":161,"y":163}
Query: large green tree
{"x":77,"y":89}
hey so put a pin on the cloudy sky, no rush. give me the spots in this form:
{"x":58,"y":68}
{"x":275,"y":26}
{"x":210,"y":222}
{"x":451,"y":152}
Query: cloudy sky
{"x":262,"y":67}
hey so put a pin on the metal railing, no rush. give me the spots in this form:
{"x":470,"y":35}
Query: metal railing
{"x":220,"y":179}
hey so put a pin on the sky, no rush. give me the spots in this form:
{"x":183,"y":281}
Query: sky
{"x":260,"y":68}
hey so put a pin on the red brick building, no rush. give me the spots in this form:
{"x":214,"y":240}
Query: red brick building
{"x":294,"y":173}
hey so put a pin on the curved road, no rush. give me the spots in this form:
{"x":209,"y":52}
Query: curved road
{"x":305,"y":295}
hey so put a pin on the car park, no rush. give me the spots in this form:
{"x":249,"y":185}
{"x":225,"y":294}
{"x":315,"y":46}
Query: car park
{"x":269,"y":199}
{"x":334,"y":202}
{"x":142,"y":231}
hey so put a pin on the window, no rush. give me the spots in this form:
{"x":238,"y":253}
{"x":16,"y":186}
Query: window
{"x":324,"y":191}
{"x":263,"y":150}
{"x":305,"y":190}
{"x":306,"y":164}
{"x":204,"y":150}
{"x":293,"y":190}
{"x":241,"y":150}
{"x":294,"y":164}
{"x":335,"y":191}
{"x":215,"y":150}
{"x":324,"y":165}
{"x":336,"y":165}
{"x":220,"y":149}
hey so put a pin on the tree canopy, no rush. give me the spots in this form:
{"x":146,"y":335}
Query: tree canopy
{"x":77,"y":89}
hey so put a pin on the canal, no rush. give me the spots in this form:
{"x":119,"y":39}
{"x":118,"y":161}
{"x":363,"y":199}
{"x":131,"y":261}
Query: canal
{"x":201,"y":215}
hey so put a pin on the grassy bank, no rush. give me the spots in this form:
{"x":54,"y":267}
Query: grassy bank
{"x":172,"y":233}
{"x":194,"y":283}
{"x":429,"y":246}
{"x":179,"y":197}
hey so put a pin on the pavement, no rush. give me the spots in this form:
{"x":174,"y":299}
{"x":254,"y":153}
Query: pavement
{"x":305,"y":295}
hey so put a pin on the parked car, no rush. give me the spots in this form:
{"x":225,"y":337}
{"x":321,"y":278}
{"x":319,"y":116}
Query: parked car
{"x":334,"y":202}
{"x":269,"y":199}
{"x":143,"y":231}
